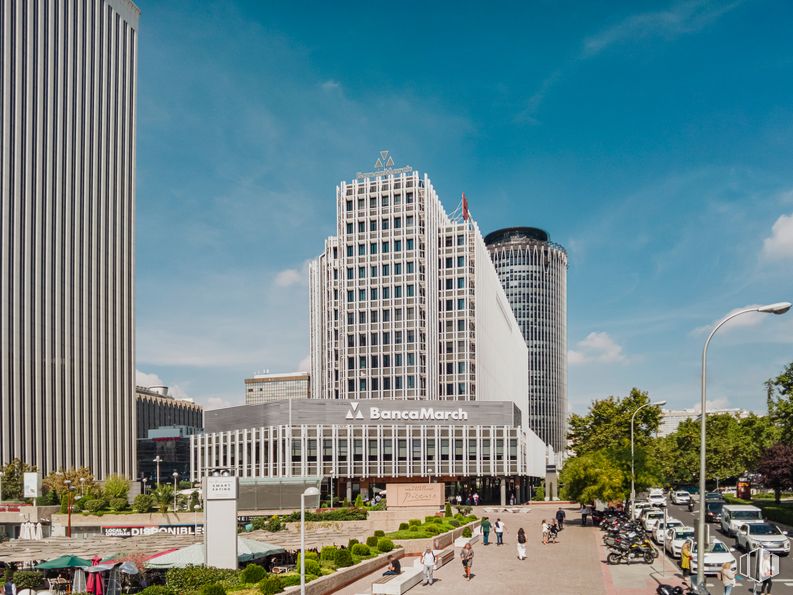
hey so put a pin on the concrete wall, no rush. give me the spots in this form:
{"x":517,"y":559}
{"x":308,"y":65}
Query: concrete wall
{"x":386,"y":520}
{"x":342,"y":578}
{"x":439,"y":542}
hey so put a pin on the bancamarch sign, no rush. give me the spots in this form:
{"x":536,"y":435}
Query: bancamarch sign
{"x":418,"y":414}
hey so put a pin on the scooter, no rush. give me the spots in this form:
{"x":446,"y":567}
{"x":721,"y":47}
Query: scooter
{"x":630,"y":553}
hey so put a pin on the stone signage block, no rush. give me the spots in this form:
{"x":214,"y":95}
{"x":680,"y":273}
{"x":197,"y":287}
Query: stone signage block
{"x":410,"y":495}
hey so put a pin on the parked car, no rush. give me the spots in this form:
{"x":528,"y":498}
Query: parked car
{"x":716,"y":554}
{"x":714,"y":497}
{"x":661,"y":527}
{"x":639,"y":507}
{"x":751,"y":536}
{"x":713,"y":511}
{"x":675,"y":537}
{"x":734,"y":515}
{"x":656,"y":497}
{"x":681,"y":497}
{"x":650,"y":516}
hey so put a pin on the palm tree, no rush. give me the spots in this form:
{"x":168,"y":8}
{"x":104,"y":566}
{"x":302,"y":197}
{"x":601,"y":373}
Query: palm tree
{"x":163,"y":496}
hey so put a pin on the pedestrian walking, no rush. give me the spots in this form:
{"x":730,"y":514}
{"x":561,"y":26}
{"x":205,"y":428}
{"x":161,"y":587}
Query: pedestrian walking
{"x":467,"y":556}
{"x":685,"y":560}
{"x":485,"y":527}
{"x":553,"y":532}
{"x":728,"y":577}
{"x":560,"y":516}
{"x":428,"y":562}
{"x":583,"y":512}
{"x":499,"y":532}
{"x":521,"y":544}
{"x":459,"y":500}
{"x":476,"y":498}
{"x":544,"y":529}
{"x":9,"y":588}
{"x":512,"y":499}
{"x":766,"y":585}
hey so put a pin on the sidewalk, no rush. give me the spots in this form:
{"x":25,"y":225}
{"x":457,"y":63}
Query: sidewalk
{"x":571,"y":567}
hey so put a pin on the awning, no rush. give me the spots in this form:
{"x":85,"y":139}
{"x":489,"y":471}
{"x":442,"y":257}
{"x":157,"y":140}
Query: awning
{"x":65,"y":561}
{"x":193,"y":555}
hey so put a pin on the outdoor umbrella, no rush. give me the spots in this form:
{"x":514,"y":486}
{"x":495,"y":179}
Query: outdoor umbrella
{"x":247,"y":550}
{"x":38,"y":535}
{"x":65,"y":561}
{"x":78,"y":584}
{"x":94,"y":584}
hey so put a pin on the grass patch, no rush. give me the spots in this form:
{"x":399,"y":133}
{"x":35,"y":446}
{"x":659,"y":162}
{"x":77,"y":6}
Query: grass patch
{"x":431,"y":527}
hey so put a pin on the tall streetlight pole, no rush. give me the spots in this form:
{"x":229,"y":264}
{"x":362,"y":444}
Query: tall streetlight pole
{"x":157,"y":460}
{"x":312,"y":491}
{"x":633,"y":474}
{"x":779,"y":308}
{"x":175,"y":477}
{"x":1,"y":486}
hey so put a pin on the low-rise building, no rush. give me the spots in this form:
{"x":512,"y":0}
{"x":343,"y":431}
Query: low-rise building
{"x":671,"y":418}
{"x":266,"y":388}
{"x":155,"y":408}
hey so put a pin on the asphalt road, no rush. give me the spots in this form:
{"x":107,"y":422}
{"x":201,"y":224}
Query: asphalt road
{"x":782,"y":583}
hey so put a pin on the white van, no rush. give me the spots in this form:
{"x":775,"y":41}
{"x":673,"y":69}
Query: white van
{"x":735,"y":515}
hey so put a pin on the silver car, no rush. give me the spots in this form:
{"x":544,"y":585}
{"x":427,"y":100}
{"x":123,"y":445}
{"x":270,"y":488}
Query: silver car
{"x":751,"y":536}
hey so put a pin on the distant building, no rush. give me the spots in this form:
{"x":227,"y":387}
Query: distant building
{"x":265,"y":388}
{"x":672,"y":417}
{"x":156,"y":408}
{"x":172,"y":445}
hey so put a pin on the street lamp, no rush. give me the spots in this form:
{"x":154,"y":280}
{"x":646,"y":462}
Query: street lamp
{"x":633,"y":474}
{"x":82,"y":486}
{"x":778,"y":308}
{"x":157,"y":460}
{"x":69,"y":491}
{"x":1,"y":485}
{"x":145,"y":481}
{"x":312,"y":491}
{"x":175,"y":476}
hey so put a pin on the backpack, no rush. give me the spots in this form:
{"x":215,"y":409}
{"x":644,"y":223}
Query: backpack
{"x":522,"y":538}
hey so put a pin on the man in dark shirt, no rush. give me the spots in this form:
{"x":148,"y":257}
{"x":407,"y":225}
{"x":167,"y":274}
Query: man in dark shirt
{"x":394,"y":567}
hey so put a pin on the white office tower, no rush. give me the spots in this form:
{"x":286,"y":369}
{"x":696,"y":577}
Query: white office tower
{"x":67,"y":169}
{"x":533,"y":271}
{"x":406,"y":303}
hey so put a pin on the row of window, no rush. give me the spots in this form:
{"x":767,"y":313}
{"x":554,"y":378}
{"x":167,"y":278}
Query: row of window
{"x":383,"y":186}
{"x":385,"y":200}
{"x":449,"y":305}
{"x":409,"y":336}
{"x":449,"y":283}
{"x":376,"y":315}
{"x":384,"y":224}
{"x":382,"y":293}
{"x":449,"y":241}
{"x":375,"y":360}
{"x":449,"y":262}
{"x":374,"y":383}
{"x":384,"y":270}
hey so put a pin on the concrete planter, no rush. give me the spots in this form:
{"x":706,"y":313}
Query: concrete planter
{"x":439,"y":542}
{"x":345,"y":576}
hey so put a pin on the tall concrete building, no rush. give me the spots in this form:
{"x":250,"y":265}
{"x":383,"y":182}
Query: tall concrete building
{"x":67,"y":171}
{"x":533,"y":272}
{"x":267,"y":387}
{"x":406,"y":303}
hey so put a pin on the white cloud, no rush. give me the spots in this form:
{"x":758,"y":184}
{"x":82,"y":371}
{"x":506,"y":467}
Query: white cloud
{"x":680,"y":18}
{"x":596,"y":347}
{"x":331,"y":85}
{"x":146,"y":379}
{"x":288,"y":277}
{"x":305,"y":364}
{"x":779,"y":245}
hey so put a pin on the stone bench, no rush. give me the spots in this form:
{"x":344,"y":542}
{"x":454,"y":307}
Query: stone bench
{"x":396,"y":584}
{"x":441,"y":557}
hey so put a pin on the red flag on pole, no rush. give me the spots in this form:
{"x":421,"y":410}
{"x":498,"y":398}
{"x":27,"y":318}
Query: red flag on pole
{"x":465,"y":208}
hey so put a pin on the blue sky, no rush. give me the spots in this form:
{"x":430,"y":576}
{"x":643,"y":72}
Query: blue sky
{"x":654,"y":140}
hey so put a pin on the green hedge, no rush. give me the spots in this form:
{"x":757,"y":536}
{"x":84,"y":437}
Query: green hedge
{"x":385,"y":545}
{"x":361,"y":549}
{"x":467,"y":532}
{"x":351,"y":543}
{"x":252,"y":573}
{"x":270,"y":585}
{"x":337,"y":514}
{"x":157,"y":590}
{"x":192,"y":578}
{"x":328,"y":553}
{"x":403,"y":526}
{"x":28,"y":579}
{"x":343,"y":558}
{"x":414,"y":522}
{"x":371,"y":541}
{"x":213,"y":590}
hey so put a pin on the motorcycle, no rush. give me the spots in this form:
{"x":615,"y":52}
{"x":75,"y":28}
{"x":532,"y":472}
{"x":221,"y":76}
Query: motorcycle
{"x":631,"y":553}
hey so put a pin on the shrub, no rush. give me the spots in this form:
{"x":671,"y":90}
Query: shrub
{"x":312,"y":567}
{"x":290,"y":580}
{"x":467,"y":532}
{"x":379,"y":533}
{"x":454,"y":523}
{"x":343,"y":558}
{"x":414,"y":522}
{"x":385,"y":545}
{"x":214,"y":589}
{"x":28,"y":579}
{"x":156,"y":590}
{"x":361,"y":549}
{"x":403,"y":526}
{"x":432,"y":529}
{"x":351,"y":543}
{"x":467,"y":510}
{"x":116,"y":486}
{"x":117,"y":504}
{"x":371,"y":541}
{"x":447,"y":510}
{"x":192,"y":578}
{"x":270,"y":585}
{"x":143,"y":503}
{"x":345,"y":503}
{"x":358,"y":501}
{"x":414,"y":528}
{"x":312,"y":555}
{"x":94,"y":506}
{"x":252,"y":573}
{"x":430,"y":519}
{"x":328,"y":553}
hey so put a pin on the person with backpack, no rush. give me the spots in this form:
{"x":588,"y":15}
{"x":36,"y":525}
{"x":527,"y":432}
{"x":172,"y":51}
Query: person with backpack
{"x":428,"y":563}
{"x":485,"y":526}
{"x":467,"y":557}
{"x":499,"y":532}
{"x":521,"y":544}
{"x":560,"y":516}
{"x":9,"y":588}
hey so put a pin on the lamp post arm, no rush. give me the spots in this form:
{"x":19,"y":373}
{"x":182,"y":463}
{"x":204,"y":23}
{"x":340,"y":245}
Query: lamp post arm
{"x":633,"y":473}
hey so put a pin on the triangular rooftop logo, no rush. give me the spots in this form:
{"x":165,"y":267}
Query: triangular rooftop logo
{"x":354,"y":413}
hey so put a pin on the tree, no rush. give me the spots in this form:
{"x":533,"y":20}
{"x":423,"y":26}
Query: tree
{"x":163,"y":496}
{"x":592,"y":476}
{"x":607,"y":425}
{"x":776,"y":467}
{"x":780,"y":402}
{"x":13,"y":479}
{"x":56,"y":481}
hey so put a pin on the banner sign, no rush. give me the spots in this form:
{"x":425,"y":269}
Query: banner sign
{"x":135,"y":530}
{"x":31,"y":484}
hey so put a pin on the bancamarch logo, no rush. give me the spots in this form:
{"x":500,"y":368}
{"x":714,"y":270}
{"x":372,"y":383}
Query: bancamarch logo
{"x":423,"y":413}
